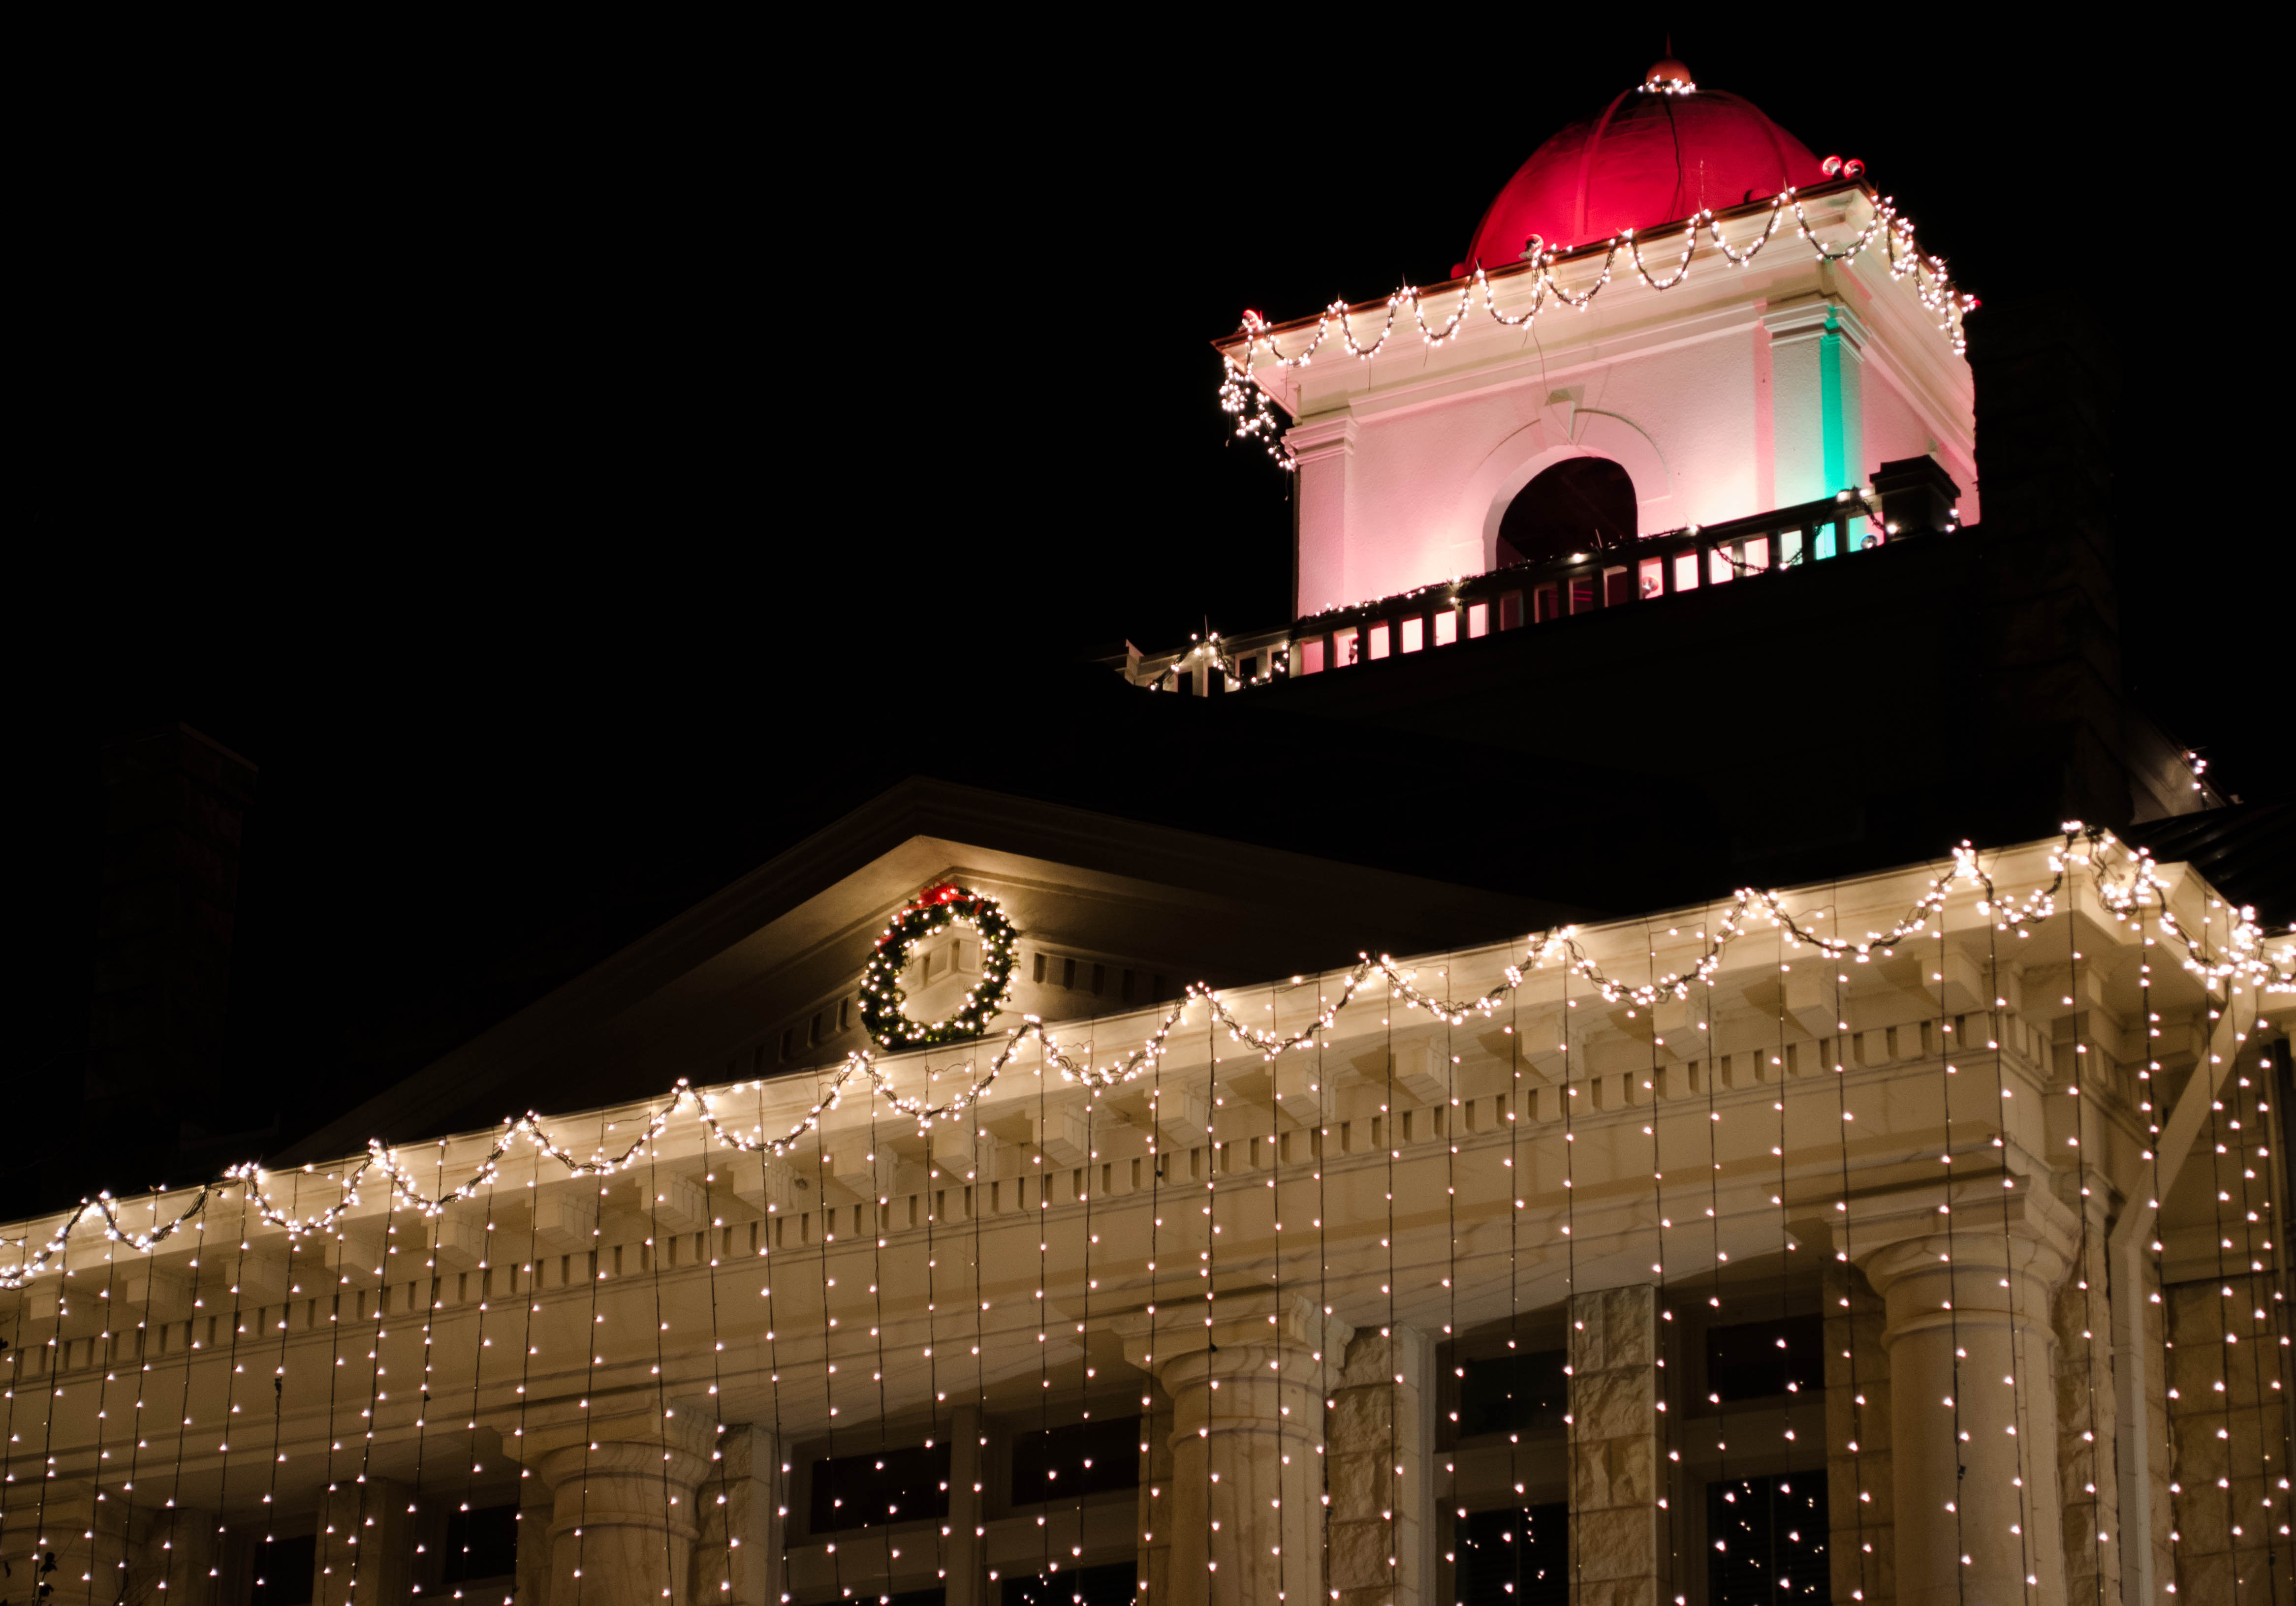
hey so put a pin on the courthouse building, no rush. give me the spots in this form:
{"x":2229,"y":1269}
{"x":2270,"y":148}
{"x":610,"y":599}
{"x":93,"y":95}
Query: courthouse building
{"x":1242,"y":1198}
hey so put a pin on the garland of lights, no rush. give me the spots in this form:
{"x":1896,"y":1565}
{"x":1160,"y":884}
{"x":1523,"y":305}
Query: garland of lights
{"x":1244,"y":400}
{"x":933,"y":911}
{"x":2139,"y":887}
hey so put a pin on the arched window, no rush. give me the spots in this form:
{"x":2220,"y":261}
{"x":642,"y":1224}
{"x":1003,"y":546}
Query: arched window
{"x":1580,"y":504}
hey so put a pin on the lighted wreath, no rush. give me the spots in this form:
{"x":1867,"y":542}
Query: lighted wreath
{"x":933,"y":910}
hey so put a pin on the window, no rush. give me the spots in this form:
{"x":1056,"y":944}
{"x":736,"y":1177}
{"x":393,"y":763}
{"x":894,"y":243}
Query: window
{"x":1413,"y":634}
{"x":482,"y":1544}
{"x":1580,"y":504}
{"x":1478,"y":620}
{"x":900,"y":1486}
{"x":1447,"y":627}
{"x":282,"y":1571}
{"x":1069,"y":1463}
{"x":1766,"y":1541}
{"x":1112,"y":1586}
{"x":1378,"y":638}
{"x":1310,"y":656}
{"x":1343,"y":647}
{"x":1514,"y":1557}
{"x":1512,"y":1393}
{"x":1757,"y":1360}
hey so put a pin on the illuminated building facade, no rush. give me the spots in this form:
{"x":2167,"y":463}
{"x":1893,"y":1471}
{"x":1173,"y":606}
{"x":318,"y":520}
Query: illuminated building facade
{"x":1208,"y":1221}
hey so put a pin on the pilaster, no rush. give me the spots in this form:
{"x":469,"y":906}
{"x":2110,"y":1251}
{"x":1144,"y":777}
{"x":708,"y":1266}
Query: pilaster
{"x":1381,"y":1426}
{"x":962,"y":1533}
{"x":742,"y":1509}
{"x":1325,"y":451}
{"x":1619,"y":1556}
{"x":366,"y":1542}
{"x":1860,"y":1505}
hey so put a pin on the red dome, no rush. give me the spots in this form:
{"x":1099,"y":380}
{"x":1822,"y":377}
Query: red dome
{"x":1651,"y":157}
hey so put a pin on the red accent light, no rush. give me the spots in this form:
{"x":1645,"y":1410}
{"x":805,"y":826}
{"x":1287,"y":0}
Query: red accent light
{"x":1646,"y":159}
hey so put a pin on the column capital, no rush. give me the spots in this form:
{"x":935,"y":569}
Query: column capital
{"x":1807,"y":317}
{"x":1241,"y":1324}
{"x":1323,"y":437}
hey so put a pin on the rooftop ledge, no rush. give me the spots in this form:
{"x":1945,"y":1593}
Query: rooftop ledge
{"x":1910,"y":499}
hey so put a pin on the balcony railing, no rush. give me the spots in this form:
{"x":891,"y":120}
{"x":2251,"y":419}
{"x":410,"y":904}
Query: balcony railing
{"x":1520,"y":596}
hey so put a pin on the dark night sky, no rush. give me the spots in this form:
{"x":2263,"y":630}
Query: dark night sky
{"x":571,"y":474}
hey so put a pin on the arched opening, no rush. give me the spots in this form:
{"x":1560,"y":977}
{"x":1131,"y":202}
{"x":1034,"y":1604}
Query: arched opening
{"x":1580,"y":504}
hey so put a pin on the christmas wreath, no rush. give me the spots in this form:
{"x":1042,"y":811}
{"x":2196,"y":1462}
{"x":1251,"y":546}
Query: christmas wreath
{"x":933,"y":910}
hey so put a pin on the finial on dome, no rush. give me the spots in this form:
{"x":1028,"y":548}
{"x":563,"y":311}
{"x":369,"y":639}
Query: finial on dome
{"x":1667,"y":75}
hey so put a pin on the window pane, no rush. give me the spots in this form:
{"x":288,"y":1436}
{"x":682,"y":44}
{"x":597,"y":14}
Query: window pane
{"x":1512,"y":1394}
{"x":1515,"y":1558}
{"x":1110,"y":1586}
{"x":1071,"y":1463}
{"x":1766,"y":1541}
{"x":1413,"y":634}
{"x":901,"y":1486}
{"x":1755,"y":1360}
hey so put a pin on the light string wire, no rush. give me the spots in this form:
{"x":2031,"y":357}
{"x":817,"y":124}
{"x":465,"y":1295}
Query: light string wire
{"x":767,"y":1224}
{"x":720,"y":1242}
{"x":1392,"y":1141}
{"x":1283,"y":1379}
{"x":2246,"y":1107}
{"x":279,"y":1379}
{"x":2157,"y":1294}
{"x":530,"y":1302}
{"x":879,"y":1201}
{"x":1044,"y":1495}
{"x":1211,"y":1276}
{"x":478,"y":1368}
{"x":2140,"y":883}
{"x":1084,"y":1325}
{"x":595,"y":1258}
{"x":1958,"y":1435}
{"x":825,"y":1212}
{"x":934,"y":1435}
{"x":1322,"y":1151}
{"x":2001,"y":1092}
{"x":430,"y":1281}
{"x":1849,"y":1275}
{"x":2273,"y":1276}
{"x":339,"y":1264}
{"x":2077,"y":1092}
{"x":1244,"y":399}
{"x":375,"y":1392}
{"x":183,"y":1412}
{"x":1713,"y":1064}
{"x":2223,"y":1385}
{"x":229,"y":1387}
{"x":102,"y":1398}
{"x":652,"y":1250}
{"x":15,"y":1382}
{"x":1147,"y":1390}
{"x":1571,"y":1324}
{"x":1782,"y":1484}
{"x":1516,"y":1190}
{"x":1450,"y":1117}
{"x":1667,"y":1456}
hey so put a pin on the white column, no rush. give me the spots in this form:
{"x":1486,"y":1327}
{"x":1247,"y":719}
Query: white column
{"x":961,"y":1530}
{"x":1816,"y":399}
{"x":367,"y":1544}
{"x":742,"y":1505}
{"x":622,"y":1526}
{"x":1956,"y":1334}
{"x":1326,"y":449}
{"x":1245,"y":1501}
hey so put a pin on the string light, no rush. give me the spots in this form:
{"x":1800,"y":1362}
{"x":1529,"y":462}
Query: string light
{"x":1244,"y":400}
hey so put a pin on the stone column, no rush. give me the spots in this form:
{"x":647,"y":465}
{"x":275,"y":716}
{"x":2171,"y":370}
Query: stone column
{"x":1245,"y":1502}
{"x":534,"y":1508}
{"x":1324,"y":448}
{"x":1154,"y":1570}
{"x":1859,"y":1505}
{"x":1964,"y":1535}
{"x":966,"y":1584}
{"x":367,"y":1544}
{"x":2225,"y":1408}
{"x":2088,"y":1423}
{"x":742,"y":1507}
{"x":1617,"y":1543}
{"x":1381,"y":1472}
{"x":622,"y":1525}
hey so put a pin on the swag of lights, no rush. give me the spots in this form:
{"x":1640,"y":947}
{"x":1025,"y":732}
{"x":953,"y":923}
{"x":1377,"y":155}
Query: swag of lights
{"x":1244,"y":400}
{"x":2128,"y":889}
